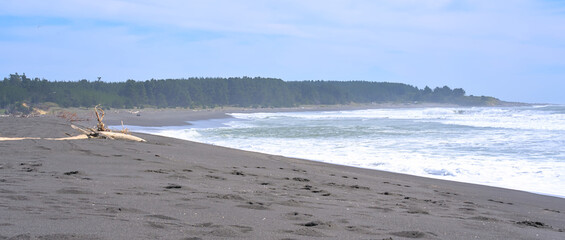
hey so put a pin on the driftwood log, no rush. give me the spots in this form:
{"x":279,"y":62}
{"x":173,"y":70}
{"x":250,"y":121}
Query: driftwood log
{"x":86,"y":135}
{"x":100,"y":132}
{"x":16,"y":138}
{"x":92,"y":133}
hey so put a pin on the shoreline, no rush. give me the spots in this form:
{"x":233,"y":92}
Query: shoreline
{"x":177,"y":189}
{"x":152,"y":117}
{"x":173,"y":115}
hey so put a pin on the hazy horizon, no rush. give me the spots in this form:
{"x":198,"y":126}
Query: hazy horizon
{"x":512,"y":51}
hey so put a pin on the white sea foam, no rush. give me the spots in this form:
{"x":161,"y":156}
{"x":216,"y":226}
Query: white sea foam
{"x":518,"y":148}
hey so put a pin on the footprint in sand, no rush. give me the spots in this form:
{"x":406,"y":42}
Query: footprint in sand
{"x":71,"y":173}
{"x":227,"y":197}
{"x":410,"y":234}
{"x":318,"y":224}
{"x":359,"y":229}
{"x":534,"y":224}
{"x":224,"y":231}
{"x":238,"y":173}
{"x":172,"y":186}
{"x":162,"y":171}
{"x":216,"y":177}
{"x":308,"y":232}
{"x":550,"y":210}
{"x":501,"y":202}
{"x":162,"y":217}
{"x":55,"y":236}
{"x":484,"y":219}
{"x":73,"y":190}
{"x":254,"y":205}
{"x":296,"y":216}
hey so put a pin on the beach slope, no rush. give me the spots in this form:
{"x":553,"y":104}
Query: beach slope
{"x":172,"y":189}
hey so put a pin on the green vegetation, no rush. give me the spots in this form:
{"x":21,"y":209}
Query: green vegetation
{"x":215,"y":92}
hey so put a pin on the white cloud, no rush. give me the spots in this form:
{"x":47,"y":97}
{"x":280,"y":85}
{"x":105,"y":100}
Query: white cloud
{"x":422,"y":42}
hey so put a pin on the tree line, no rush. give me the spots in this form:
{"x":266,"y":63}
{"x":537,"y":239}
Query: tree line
{"x":258,"y":92}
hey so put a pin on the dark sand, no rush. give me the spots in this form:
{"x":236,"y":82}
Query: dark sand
{"x":173,"y":189}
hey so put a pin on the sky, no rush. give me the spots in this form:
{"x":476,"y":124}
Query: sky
{"x":510,"y":49}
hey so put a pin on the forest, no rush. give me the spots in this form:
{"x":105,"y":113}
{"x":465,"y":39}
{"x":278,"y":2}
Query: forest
{"x":256,"y":92}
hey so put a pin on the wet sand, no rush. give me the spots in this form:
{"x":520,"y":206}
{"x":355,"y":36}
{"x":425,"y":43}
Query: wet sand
{"x":173,"y":189}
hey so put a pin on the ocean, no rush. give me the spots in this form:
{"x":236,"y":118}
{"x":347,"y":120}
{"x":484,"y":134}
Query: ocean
{"x":520,"y":148}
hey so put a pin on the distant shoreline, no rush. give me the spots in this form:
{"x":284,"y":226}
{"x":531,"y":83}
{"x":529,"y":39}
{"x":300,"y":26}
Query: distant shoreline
{"x":149,"y":117}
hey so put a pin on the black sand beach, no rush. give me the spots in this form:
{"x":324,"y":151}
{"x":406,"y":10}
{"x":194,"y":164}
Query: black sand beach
{"x":173,"y":189}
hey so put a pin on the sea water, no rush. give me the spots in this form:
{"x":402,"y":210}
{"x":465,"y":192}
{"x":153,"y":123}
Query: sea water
{"x":520,"y":148}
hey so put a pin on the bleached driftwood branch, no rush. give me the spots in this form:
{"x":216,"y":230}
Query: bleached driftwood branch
{"x":16,"y":138}
{"x":100,"y":132}
{"x":99,"y":116}
{"x":91,"y":133}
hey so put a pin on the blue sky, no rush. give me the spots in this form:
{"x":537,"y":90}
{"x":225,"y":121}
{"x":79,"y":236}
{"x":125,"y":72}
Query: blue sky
{"x":513,"y":50}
